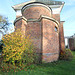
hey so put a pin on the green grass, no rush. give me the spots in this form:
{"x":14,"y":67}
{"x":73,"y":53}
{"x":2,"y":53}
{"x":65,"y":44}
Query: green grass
{"x":56,"y":68}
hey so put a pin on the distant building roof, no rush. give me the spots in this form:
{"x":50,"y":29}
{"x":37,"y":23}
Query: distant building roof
{"x":73,"y":36}
{"x":67,"y":37}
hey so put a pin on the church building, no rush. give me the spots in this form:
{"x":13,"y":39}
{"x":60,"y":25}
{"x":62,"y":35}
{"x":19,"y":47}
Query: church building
{"x":41,"y":19}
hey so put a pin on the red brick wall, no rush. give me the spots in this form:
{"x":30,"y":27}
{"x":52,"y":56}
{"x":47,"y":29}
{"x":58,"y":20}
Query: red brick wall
{"x":43,"y":34}
{"x":61,"y":32}
{"x":21,"y":24}
{"x":72,"y":43}
{"x":61,"y":36}
{"x":34,"y":30}
{"x":18,"y":24}
{"x":36,"y":12}
{"x":57,"y":17}
{"x":50,"y":41}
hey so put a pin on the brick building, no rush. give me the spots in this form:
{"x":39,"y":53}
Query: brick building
{"x":70,"y":42}
{"x":41,"y":19}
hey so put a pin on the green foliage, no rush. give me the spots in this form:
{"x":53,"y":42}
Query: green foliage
{"x":18,"y":51}
{"x":66,"y":54}
{"x":60,"y":67}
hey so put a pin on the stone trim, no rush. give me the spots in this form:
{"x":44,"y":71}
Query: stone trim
{"x":49,"y":18}
{"x":19,"y":18}
{"x":36,"y":20}
{"x":33,"y":4}
{"x":48,"y":54}
{"x":45,"y":17}
{"x":19,"y":6}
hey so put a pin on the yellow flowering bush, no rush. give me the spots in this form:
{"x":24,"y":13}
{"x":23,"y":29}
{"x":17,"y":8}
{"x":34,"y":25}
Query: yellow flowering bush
{"x":18,"y":49}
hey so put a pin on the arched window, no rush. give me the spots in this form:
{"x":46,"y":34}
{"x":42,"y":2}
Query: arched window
{"x":56,"y":29}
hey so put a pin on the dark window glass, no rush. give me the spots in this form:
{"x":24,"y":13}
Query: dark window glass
{"x":56,"y":29}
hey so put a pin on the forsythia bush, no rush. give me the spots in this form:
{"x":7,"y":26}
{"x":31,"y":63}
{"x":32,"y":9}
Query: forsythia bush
{"x":18,"y":50}
{"x":66,"y":54}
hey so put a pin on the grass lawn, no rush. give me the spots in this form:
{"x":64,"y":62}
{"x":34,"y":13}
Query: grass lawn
{"x":56,"y":68}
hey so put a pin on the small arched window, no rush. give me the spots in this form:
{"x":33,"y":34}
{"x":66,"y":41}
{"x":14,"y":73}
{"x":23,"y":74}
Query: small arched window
{"x":56,"y":29}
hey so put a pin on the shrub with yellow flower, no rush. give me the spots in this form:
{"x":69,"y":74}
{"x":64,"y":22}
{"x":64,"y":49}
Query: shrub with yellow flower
{"x":18,"y":49}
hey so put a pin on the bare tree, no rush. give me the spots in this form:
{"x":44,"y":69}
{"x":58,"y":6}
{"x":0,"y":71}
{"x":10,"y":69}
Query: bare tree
{"x":3,"y":23}
{"x":5,"y":26}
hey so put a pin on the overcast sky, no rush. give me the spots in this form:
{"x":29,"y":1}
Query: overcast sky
{"x":67,"y":13}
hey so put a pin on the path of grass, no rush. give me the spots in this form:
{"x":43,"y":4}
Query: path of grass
{"x":55,"y":68}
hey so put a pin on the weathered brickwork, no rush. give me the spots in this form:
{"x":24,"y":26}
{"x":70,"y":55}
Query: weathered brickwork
{"x":50,"y":43}
{"x":21,"y":24}
{"x":36,"y":12}
{"x":34,"y":30}
{"x":45,"y":31}
{"x":57,"y":17}
{"x":50,"y":57}
{"x":61,"y":36}
{"x":72,"y":43}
